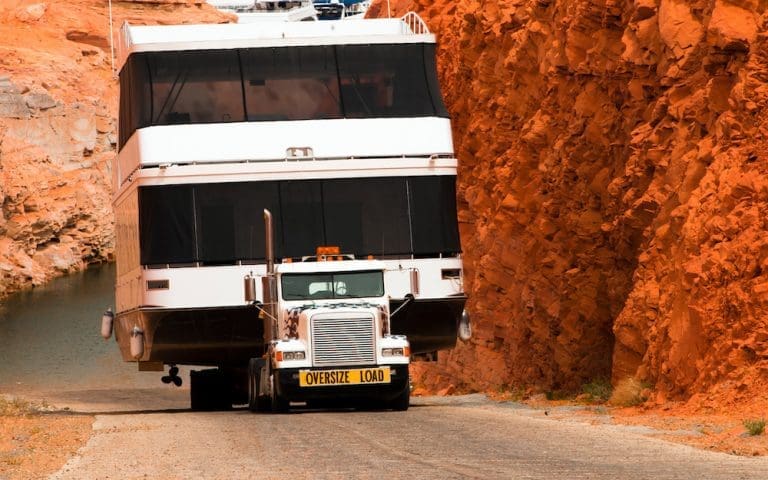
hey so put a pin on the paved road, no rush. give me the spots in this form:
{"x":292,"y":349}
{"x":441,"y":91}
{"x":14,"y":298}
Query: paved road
{"x":438,"y":438}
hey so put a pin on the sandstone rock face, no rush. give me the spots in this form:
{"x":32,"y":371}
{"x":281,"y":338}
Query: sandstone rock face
{"x":611,"y":190}
{"x":58,"y":106}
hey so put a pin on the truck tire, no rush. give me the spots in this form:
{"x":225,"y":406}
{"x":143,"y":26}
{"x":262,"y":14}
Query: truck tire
{"x":253,"y":386}
{"x":256,"y":401}
{"x":199,"y":391}
{"x":279,"y":404}
{"x":209,"y":390}
{"x":402,"y":401}
{"x":237,"y":379}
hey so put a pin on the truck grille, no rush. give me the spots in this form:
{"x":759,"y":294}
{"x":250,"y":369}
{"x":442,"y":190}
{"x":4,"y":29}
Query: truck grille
{"x":343,"y":341}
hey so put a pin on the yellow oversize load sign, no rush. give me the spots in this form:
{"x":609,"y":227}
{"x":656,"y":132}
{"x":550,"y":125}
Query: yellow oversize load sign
{"x":360,"y":376}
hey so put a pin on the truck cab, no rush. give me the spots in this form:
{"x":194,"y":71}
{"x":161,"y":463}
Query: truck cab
{"x":328,"y":320}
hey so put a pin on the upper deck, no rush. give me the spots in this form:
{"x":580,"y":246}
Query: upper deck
{"x":223,"y":94}
{"x":158,"y":38}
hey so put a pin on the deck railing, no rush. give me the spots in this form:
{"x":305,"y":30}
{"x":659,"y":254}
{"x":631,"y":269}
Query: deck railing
{"x":415,"y":23}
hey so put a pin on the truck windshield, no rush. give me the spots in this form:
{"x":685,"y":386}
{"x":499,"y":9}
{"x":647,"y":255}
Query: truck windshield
{"x":324,"y":286}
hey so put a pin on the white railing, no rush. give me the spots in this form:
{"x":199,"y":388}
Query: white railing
{"x":415,"y":23}
{"x":123,"y":46}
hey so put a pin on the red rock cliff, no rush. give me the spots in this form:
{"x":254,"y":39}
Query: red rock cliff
{"x":611,"y":190}
{"x":58,"y":103}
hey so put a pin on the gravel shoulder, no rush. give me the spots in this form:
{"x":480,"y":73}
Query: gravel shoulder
{"x":34,"y":441}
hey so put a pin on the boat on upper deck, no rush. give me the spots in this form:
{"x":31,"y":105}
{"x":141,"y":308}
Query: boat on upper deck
{"x":253,"y":11}
{"x":341,"y":9}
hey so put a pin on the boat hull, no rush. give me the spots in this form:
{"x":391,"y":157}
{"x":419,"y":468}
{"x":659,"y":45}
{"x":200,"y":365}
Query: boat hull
{"x":193,"y":336}
{"x":430,"y":324}
{"x":223,"y":336}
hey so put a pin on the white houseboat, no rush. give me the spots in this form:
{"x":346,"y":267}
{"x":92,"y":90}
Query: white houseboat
{"x":338,"y":128}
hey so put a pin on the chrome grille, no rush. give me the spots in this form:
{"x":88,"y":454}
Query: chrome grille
{"x":343,"y":340}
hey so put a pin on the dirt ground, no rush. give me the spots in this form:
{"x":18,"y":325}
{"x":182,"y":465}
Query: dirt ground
{"x":673,"y":423}
{"x":697,"y":422}
{"x":35,"y":440}
{"x":710,"y":432}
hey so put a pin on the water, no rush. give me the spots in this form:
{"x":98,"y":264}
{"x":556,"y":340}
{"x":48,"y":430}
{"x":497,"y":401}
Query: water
{"x":50,"y":339}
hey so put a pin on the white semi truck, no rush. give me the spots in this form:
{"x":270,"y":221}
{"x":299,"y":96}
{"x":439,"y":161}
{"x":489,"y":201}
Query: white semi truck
{"x":327,"y":331}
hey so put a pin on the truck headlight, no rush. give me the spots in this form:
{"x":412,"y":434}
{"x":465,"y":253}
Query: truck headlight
{"x":283,"y":356}
{"x":395,"y":352}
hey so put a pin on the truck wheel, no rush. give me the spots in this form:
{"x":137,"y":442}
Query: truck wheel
{"x":279,"y":404}
{"x":402,"y":401}
{"x":256,"y":401}
{"x":253,"y":385}
{"x":371,"y":404}
{"x":209,"y":390}
{"x":199,"y":391}
{"x":237,"y":379}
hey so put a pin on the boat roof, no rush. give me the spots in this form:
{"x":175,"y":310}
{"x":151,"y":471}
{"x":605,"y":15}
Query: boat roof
{"x":157,"y":38}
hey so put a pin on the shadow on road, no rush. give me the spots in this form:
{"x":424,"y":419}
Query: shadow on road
{"x":165,"y":400}
{"x":115,"y":412}
{"x":115,"y":401}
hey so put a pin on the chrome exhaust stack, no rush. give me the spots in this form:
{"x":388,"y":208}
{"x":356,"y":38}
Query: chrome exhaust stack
{"x":249,"y":287}
{"x":269,"y":242}
{"x":269,"y":282}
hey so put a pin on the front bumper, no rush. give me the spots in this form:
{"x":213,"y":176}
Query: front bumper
{"x":287,"y":383}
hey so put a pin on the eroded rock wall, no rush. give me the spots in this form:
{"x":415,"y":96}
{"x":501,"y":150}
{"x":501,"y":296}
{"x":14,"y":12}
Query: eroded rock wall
{"x":611,"y":190}
{"x":58,"y":106}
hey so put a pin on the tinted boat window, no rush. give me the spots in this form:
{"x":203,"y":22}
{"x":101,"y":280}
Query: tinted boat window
{"x":301,"y":212}
{"x":166,"y":225}
{"x":291,"y":84}
{"x":430,"y":70}
{"x":367,"y":217}
{"x":384,"y":82}
{"x":433,"y":214}
{"x":274,"y":84}
{"x":196,"y":87}
{"x":230,"y":222}
{"x":135,"y":97}
{"x":222,"y":223}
